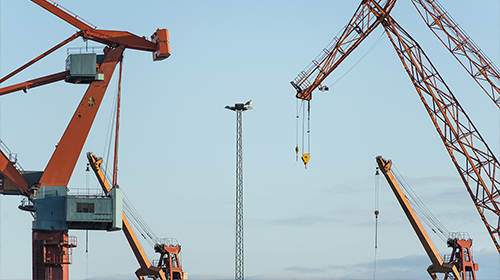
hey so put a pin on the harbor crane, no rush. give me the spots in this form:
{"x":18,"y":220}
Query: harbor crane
{"x":55,"y":211}
{"x":469,"y":152}
{"x":460,"y":265}
{"x":169,"y":267}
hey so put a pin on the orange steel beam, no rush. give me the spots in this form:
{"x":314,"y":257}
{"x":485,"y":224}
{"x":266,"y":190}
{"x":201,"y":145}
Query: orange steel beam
{"x":71,"y":38}
{"x":112,"y":38}
{"x":34,"y":83}
{"x":117,"y":133}
{"x":60,"y":12}
{"x":62,"y":163}
{"x":437,"y":261}
{"x":9,"y":171}
{"x":146,"y":267}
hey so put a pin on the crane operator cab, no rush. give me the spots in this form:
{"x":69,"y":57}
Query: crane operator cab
{"x":83,"y":68}
{"x":169,"y":260}
{"x":57,"y":210}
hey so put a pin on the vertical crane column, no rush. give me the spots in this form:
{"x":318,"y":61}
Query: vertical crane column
{"x":51,"y":254}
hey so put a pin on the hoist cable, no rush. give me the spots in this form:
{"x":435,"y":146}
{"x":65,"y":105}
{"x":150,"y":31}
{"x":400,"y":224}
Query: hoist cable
{"x":138,"y":226}
{"x":309,"y":126}
{"x":367,"y":52}
{"x":303,"y":125}
{"x":297,"y":130}
{"x":375,"y":265}
{"x":87,"y":172}
{"x":112,"y":126}
{"x":424,"y":214}
{"x":376,"y":212}
{"x":87,"y":254}
{"x":109,"y":135}
{"x":138,"y":222}
{"x":420,"y":209}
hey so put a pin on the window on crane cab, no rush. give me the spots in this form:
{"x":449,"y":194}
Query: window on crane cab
{"x":85,"y":207}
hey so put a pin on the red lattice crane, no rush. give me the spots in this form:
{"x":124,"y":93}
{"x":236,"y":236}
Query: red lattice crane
{"x":469,"y":152}
{"x":51,"y":245}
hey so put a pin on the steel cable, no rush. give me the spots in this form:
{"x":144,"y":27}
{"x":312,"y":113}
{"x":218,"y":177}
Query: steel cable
{"x":420,"y":209}
{"x":138,"y":222}
{"x":362,"y":57}
{"x":376,"y":212}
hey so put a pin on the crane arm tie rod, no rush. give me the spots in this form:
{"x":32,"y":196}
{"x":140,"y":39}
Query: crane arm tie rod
{"x":31,"y":62}
{"x":34,"y":83}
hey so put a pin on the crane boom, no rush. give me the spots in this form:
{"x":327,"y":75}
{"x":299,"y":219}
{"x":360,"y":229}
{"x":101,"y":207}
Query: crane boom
{"x":362,"y":23}
{"x":461,"y":46}
{"x":64,"y":14}
{"x":469,"y":152}
{"x":437,"y":262}
{"x":146,"y":267}
{"x":159,"y":46}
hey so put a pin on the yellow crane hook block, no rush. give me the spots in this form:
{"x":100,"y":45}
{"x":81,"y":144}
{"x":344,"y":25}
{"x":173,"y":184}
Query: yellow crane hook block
{"x":305,"y":159}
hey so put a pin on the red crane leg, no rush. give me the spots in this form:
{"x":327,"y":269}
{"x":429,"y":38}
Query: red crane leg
{"x":51,"y":254}
{"x":9,"y":172}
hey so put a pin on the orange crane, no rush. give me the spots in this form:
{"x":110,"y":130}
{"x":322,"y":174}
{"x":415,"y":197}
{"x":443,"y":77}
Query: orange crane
{"x":168,"y":267}
{"x":51,"y":243}
{"x":469,"y":152}
{"x":460,"y":266}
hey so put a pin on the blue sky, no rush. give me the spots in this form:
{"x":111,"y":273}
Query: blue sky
{"x":177,"y":142}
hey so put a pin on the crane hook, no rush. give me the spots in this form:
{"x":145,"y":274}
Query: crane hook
{"x":305,"y":159}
